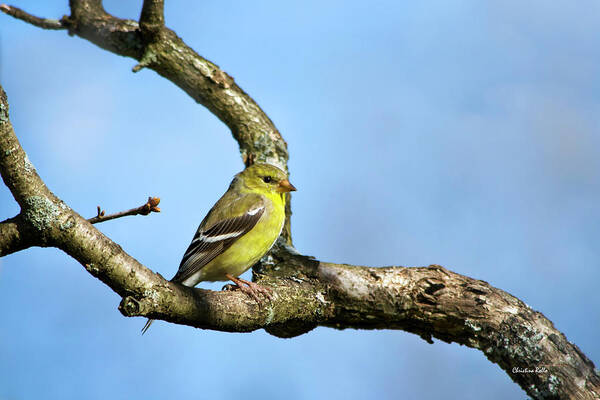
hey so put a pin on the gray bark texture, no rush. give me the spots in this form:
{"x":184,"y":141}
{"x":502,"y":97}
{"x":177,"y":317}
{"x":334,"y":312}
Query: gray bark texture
{"x":431,"y":302}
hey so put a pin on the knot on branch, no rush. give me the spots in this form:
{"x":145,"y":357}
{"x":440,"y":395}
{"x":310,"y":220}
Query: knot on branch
{"x":439,"y":268}
{"x":149,"y":57}
{"x":92,"y":269}
{"x":69,"y":23}
{"x":430,"y":291}
{"x":477,"y":289}
{"x":221,"y":78}
{"x":129,"y":307}
{"x":248,"y":159}
{"x":290,"y":329}
{"x":477,"y":292}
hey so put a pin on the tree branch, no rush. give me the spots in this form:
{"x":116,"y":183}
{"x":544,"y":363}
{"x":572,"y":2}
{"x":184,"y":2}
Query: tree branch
{"x":152,"y":16}
{"x":431,"y":302}
{"x":43,"y":23}
{"x":145,"y":209}
{"x":15,"y":236}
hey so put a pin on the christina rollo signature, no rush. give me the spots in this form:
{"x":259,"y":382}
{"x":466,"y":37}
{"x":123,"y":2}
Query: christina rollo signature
{"x":526,"y":370}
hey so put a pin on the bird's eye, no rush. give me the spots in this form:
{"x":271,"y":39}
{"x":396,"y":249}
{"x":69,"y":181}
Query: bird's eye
{"x":267,"y":179}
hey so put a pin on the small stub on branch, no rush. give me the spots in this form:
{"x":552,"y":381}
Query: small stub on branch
{"x":248,"y":159}
{"x":129,"y":306}
{"x":100,"y":212}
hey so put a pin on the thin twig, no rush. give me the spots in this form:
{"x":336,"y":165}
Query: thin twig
{"x":144,"y":209}
{"x":44,"y":23}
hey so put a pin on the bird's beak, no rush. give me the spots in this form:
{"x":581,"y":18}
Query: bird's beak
{"x":285,"y":186}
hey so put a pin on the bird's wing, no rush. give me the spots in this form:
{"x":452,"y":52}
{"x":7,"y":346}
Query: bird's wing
{"x":216,"y":233}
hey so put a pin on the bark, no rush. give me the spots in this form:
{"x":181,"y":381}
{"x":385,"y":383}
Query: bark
{"x":431,"y":302}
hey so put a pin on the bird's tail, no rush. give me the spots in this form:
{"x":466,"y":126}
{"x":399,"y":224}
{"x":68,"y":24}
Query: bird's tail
{"x":147,"y":326}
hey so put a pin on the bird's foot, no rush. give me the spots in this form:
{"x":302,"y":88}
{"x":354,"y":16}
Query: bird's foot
{"x":252,"y":289}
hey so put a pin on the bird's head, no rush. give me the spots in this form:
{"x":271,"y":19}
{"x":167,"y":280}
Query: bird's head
{"x":265,"y":178}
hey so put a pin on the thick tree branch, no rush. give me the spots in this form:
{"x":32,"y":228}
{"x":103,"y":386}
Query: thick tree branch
{"x":431,"y":302}
{"x":149,"y":206}
{"x":15,"y":236}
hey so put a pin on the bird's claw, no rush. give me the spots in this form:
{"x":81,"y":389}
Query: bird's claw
{"x":252,"y":289}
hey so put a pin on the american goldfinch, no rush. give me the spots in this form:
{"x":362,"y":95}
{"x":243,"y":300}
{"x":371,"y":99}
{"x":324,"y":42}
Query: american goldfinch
{"x":240,"y":228}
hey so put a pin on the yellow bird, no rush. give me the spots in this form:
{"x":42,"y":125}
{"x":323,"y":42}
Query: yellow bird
{"x":241,"y":227}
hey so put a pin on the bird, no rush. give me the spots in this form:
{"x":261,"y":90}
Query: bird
{"x":238,"y":230}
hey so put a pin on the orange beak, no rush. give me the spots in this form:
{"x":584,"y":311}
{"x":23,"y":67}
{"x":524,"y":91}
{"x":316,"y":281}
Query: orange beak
{"x":285,"y":186}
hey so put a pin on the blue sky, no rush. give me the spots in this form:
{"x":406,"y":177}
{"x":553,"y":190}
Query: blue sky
{"x":465,"y":134}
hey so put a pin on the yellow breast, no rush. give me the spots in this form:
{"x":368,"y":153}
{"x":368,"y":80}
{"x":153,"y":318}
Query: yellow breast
{"x":248,"y":249}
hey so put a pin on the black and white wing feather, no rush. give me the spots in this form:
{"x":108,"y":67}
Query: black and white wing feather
{"x":211,"y":241}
